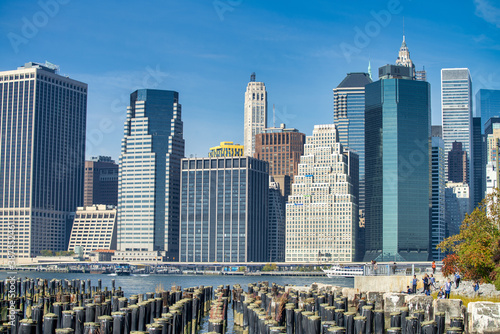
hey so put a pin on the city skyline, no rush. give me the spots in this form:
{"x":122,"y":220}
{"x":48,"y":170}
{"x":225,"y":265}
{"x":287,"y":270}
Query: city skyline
{"x":207,"y":51}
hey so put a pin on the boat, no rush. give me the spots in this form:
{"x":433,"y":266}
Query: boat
{"x":339,"y":270}
{"x":122,"y":270}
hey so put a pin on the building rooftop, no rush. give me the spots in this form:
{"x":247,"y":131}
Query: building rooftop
{"x":357,"y":79}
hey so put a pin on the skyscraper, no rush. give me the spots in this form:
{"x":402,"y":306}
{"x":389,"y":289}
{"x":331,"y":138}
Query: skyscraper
{"x":456,"y":105}
{"x":282,"y":148}
{"x":457,"y":205}
{"x":457,"y":164}
{"x":322,"y":212}
{"x":479,"y":172}
{"x":349,"y":119}
{"x":397,"y":132}
{"x":277,"y":223}
{"x":101,"y":182}
{"x":149,"y":176}
{"x":405,"y":60}
{"x":438,"y":217}
{"x":255,"y":113}
{"x":492,"y":155}
{"x":41,"y":157}
{"x":224,"y":210}
{"x":487,"y":105}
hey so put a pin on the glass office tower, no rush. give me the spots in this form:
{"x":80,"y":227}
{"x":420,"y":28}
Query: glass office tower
{"x":224,"y":210}
{"x":149,"y":176}
{"x":42,"y":136}
{"x":397,"y":135}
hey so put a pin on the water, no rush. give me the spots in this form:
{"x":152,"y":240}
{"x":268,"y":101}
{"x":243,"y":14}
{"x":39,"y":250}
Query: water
{"x":135,"y":284}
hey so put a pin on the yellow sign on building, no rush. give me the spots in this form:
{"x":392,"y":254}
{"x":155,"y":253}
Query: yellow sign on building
{"x":226,"y":149}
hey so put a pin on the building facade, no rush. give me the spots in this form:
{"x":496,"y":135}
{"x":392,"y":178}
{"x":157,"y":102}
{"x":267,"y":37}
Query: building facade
{"x":349,"y":120}
{"x":487,"y":105}
{"x":456,"y":105}
{"x":255,"y":113}
{"x":282,"y":149}
{"x":457,"y":205}
{"x":94,"y":228}
{"x":224,"y":210}
{"x":438,"y":197}
{"x":277,"y":222}
{"x":457,"y":164}
{"x":226,"y":149}
{"x":492,"y":155}
{"x":479,"y":172}
{"x":322,"y":212}
{"x":149,"y":176}
{"x":101,"y":182}
{"x":397,"y":188}
{"x":41,"y":158}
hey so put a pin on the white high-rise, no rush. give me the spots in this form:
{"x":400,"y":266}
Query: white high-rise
{"x":42,"y":154}
{"x":322,"y":213}
{"x":255,"y":113}
{"x":456,"y":106}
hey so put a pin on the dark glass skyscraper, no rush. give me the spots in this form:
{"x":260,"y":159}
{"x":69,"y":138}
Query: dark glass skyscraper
{"x":41,"y":157}
{"x":397,"y":135}
{"x":349,"y":119}
{"x":224,"y":210}
{"x":487,"y":105}
{"x":149,"y":176}
{"x":479,"y":172}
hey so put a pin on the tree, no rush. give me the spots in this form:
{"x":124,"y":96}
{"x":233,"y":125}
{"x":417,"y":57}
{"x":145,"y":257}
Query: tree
{"x":46,"y":252}
{"x":269,"y":267}
{"x":471,"y":251}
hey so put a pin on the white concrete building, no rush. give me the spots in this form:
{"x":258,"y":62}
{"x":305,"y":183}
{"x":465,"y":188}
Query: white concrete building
{"x":255,"y":113}
{"x":322,"y":212}
{"x":94,"y":228}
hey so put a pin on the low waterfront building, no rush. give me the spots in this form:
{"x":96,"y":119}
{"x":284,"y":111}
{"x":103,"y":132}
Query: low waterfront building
{"x":224,"y":210}
{"x":94,"y":227}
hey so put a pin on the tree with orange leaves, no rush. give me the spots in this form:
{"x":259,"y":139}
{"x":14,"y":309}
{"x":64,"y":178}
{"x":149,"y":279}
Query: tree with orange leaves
{"x":471,"y":251}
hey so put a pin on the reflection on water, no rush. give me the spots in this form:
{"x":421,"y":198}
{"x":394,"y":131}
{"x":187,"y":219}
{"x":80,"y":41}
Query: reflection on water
{"x":136,"y":284}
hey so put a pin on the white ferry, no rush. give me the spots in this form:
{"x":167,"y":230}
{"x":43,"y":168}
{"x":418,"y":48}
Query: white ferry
{"x":339,"y":270}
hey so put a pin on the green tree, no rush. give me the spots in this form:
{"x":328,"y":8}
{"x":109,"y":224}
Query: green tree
{"x":46,"y":252}
{"x":270,"y":267}
{"x":471,"y":251}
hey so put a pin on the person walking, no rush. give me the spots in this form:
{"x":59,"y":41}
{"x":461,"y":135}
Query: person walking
{"x":433,"y":267}
{"x":457,"y":280}
{"x":426,"y":283}
{"x":447,"y":289}
{"x":414,"y":282}
{"x":433,"y":281}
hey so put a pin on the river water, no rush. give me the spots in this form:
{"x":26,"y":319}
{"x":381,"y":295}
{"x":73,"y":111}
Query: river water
{"x":136,"y":284}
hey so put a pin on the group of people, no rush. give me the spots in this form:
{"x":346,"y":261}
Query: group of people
{"x":430,"y":281}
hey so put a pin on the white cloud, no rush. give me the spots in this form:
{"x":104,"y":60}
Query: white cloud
{"x":487,"y":11}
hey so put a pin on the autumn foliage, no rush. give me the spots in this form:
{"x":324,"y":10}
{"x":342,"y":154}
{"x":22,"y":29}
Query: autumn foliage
{"x":472,"y":251}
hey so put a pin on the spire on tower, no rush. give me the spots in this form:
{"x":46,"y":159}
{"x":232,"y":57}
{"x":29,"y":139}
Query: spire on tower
{"x":252,"y":77}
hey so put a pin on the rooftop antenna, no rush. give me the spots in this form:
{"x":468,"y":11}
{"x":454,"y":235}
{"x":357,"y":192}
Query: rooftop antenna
{"x":274,"y":117}
{"x":403,"y":28}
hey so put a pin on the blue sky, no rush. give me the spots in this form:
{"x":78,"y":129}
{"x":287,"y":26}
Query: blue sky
{"x":206,"y":50}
